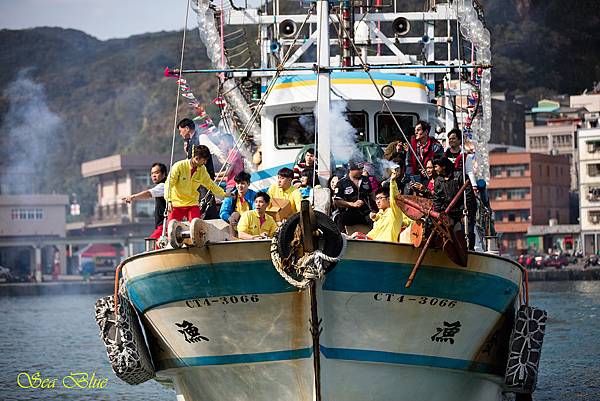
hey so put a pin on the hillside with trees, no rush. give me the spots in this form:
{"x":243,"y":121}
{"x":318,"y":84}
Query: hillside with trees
{"x":67,"y":97}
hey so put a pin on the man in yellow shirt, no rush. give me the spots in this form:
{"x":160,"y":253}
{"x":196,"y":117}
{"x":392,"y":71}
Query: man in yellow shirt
{"x":284,"y":189}
{"x":257,"y":224}
{"x":181,"y":188}
{"x":390,"y":219}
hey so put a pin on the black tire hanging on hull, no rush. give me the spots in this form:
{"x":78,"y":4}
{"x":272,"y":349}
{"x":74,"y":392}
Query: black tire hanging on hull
{"x":124,"y":341}
{"x":330,"y":244}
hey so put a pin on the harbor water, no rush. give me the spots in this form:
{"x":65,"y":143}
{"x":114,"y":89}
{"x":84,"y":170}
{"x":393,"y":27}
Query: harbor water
{"x":57,"y":337}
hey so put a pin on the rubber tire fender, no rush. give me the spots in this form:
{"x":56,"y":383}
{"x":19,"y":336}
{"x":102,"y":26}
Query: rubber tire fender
{"x":330,"y":244}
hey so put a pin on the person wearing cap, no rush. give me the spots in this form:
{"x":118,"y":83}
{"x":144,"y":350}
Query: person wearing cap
{"x":284,"y":189}
{"x":257,"y":224}
{"x":185,"y":178}
{"x":351,"y":198}
{"x":390,"y":219}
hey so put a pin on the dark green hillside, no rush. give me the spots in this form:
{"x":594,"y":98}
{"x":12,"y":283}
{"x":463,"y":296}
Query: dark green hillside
{"x":66,"y":97}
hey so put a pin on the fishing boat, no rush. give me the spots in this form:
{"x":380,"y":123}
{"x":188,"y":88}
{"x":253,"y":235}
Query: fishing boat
{"x":346,"y":319}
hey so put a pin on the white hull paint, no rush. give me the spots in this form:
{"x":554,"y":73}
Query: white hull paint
{"x":442,"y":339}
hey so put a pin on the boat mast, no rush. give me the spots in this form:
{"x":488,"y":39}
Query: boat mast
{"x":323,"y":93}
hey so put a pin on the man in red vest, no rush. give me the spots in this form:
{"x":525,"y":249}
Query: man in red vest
{"x":426,"y":148}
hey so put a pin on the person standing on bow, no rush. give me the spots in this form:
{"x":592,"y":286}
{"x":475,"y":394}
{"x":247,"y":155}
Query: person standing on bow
{"x":181,"y":187}
{"x":241,"y":200}
{"x":257,"y":224}
{"x":191,"y":137}
{"x":158,"y":174}
{"x":351,"y":198}
{"x":425,"y":148}
{"x":284,"y":189}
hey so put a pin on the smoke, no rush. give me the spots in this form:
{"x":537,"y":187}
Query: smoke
{"x":385,"y":167}
{"x":29,"y":135}
{"x":342,"y":134}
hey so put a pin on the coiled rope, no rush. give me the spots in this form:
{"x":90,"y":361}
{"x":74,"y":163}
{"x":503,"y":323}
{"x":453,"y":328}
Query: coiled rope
{"x":311,"y":266}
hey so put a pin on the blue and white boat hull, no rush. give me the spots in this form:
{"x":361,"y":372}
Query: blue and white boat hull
{"x":225,"y":326}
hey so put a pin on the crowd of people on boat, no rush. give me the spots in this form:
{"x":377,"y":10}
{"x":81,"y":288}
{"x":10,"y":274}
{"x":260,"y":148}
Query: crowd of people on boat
{"x":360,"y":195}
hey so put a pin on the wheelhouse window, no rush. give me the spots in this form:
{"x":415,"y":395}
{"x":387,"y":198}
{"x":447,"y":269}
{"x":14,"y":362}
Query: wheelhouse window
{"x":388,"y":132}
{"x":297,"y":130}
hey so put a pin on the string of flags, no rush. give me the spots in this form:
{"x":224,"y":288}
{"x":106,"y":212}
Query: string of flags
{"x":202,"y":120}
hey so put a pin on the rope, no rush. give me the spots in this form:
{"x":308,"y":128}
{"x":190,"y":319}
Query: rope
{"x":222,"y":23}
{"x":116,"y":290}
{"x":525,"y":300}
{"x":187,"y":11}
{"x":259,"y":106}
{"x":311,"y":266}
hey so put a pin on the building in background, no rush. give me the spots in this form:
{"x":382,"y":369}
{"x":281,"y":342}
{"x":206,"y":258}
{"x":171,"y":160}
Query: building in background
{"x":589,"y":189}
{"x":32,"y":235}
{"x":114,"y":221}
{"x":558,"y":139}
{"x":591,"y":102}
{"x":527,"y":189}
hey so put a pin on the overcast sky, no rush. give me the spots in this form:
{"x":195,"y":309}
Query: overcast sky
{"x":104,"y":19}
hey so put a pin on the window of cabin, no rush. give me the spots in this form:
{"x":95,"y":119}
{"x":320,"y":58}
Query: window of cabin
{"x":387,"y":130}
{"x":297,"y":130}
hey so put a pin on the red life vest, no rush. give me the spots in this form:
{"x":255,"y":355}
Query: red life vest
{"x":428,"y":153}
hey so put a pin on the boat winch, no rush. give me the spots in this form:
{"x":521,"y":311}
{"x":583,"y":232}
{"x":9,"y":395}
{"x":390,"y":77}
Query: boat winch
{"x":180,"y":233}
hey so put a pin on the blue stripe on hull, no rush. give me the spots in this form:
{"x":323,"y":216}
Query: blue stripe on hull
{"x":482,"y":289}
{"x":210,"y":280}
{"x":356,"y":355}
{"x":259,"y":277}
{"x":302,"y":353}
{"x":347,"y":354}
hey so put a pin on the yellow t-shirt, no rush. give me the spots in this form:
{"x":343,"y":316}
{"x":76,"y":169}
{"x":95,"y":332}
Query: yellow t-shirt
{"x":240,"y":206}
{"x":250,"y":224}
{"x":181,"y":188}
{"x":389,"y":222}
{"x":291,"y":194}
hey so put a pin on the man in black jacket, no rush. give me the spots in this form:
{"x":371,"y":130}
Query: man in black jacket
{"x":446,"y":186}
{"x":352,"y":199}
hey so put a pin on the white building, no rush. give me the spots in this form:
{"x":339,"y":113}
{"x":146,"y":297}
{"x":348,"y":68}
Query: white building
{"x":591,"y":103}
{"x":589,"y":188}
